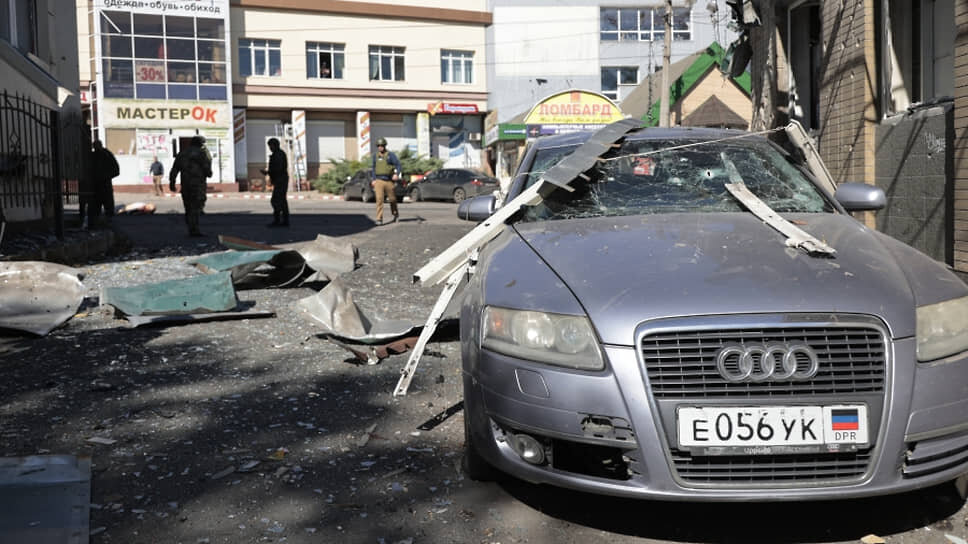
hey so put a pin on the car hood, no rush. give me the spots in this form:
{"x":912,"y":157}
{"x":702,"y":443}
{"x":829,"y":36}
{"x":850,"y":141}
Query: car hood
{"x":626,"y":270}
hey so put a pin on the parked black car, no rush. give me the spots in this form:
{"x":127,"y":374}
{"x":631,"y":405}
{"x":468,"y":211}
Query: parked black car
{"x":452,"y":184}
{"x":359,"y":187}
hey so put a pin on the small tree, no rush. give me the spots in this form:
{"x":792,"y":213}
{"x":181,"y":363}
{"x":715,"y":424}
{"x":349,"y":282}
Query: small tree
{"x":411,"y":163}
{"x":334,"y":178}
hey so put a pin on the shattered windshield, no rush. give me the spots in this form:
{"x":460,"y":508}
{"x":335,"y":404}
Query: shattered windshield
{"x":668,"y":176}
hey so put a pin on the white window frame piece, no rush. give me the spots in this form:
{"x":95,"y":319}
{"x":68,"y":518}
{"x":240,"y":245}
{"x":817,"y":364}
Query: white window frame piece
{"x":265,"y":48}
{"x":384,"y":53}
{"x":456,"y":67}
{"x":617,"y":94}
{"x":317,"y":50}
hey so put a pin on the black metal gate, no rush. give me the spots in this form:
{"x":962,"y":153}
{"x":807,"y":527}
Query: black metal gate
{"x":42,"y":157}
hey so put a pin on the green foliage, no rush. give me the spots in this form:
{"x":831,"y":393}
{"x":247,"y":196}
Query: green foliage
{"x":411,"y":163}
{"x":332,"y":181}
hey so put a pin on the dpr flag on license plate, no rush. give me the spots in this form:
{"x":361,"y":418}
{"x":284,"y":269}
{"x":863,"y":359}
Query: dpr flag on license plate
{"x":844,"y":420}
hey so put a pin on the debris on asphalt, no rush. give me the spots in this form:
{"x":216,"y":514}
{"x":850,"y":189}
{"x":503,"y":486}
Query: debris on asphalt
{"x":37,"y":296}
{"x":270,"y":267}
{"x":366,"y":436}
{"x":197,"y":294}
{"x":135,"y":208}
{"x":371,"y":355}
{"x":334,"y":308}
{"x":872,"y":539}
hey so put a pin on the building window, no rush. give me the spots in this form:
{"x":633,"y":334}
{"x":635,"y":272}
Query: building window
{"x":325,"y":60}
{"x":386,"y":63}
{"x":919,"y":53}
{"x":618,"y":81}
{"x":644,"y":24}
{"x":260,"y":57}
{"x":151,"y":56}
{"x":456,"y":66}
{"x":18,"y":24}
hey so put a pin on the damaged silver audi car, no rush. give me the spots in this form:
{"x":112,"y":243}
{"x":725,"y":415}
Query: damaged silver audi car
{"x":693,"y":314}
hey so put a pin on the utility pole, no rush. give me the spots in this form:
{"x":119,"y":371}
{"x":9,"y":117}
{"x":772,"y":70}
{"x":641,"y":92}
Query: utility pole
{"x":666,"y":56}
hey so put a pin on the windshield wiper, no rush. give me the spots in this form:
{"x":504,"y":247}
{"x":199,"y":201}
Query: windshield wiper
{"x":796,"y":237}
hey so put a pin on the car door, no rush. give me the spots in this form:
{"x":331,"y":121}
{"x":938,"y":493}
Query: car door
{"x":436,"y":188}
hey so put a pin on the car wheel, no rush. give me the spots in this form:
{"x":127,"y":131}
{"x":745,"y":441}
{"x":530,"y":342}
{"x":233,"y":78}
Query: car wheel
{"x":345,"y":193}
{"x":473,"y":465}
{"x":459,"y":195}
{"x":415,"y":195}
{"x":367,"y":197}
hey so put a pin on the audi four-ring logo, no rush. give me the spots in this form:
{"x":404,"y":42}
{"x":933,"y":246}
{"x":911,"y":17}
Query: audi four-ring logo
{"x":771,"y":362}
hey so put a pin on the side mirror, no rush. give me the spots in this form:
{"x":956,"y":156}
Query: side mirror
{"x":860,"y":197}
{"x":476,"y":209}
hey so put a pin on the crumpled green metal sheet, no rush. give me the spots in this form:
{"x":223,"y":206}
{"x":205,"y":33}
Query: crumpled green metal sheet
{"x":197,"y":294}
{"x":37,"y":296}
{"x":287,"y":265}
{"x":335,"y":310}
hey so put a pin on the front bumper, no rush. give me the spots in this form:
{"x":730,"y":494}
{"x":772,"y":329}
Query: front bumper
{"x":605,"y":432}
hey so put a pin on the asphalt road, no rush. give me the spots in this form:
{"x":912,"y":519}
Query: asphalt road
{"x":262,"y":431}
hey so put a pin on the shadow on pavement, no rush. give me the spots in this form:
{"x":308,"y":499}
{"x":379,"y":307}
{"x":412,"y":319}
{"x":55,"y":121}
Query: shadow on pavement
{"x":753,"y":522}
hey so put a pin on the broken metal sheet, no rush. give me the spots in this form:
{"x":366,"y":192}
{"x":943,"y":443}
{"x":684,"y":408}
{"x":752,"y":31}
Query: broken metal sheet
{"x":371,"y":355}
{"x":327,"y":256}
{"x":197,"y":294}
{"x":796,"y":237}
{"x":241,"y":244}
{"x":441,"y":417}
{"x":45,"y":499}
{"x":586,"y":156}
{"x":37,"y":296}
{"x":335,"y":309}
{"x":140,"y":320}
{"x":287,"y":265}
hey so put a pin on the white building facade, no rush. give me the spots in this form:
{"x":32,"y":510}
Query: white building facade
{"x":541,"y":47}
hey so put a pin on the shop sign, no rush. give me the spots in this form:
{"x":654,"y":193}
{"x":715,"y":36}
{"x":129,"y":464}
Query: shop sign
{"x":535,"y":131}
{"x":449,"y":107}
{"x":362,"y":133}
{"x":198,"y":8}
{"x":574,"y":107}
{"x":168,"y":114}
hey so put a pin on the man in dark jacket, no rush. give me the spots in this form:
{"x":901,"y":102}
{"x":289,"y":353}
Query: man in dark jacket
{"x":157,"y":171}
{"x":386,"y":171}
{"x":278,"y":173}
{"x":104,"y":168}
{"x":195,"y":166}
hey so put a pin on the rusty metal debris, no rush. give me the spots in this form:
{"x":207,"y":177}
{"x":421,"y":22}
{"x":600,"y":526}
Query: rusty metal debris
{"x":37,"y":296}
{"x":372,"y":355}
{"x":334,"y":308}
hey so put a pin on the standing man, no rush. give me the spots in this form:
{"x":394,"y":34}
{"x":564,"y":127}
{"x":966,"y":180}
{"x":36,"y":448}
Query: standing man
{"x":157,"y":170}
{"x":195,"y":166}
{"x":386,"y":171}
{"x":278,"y":173}
{"x":104,"y":168}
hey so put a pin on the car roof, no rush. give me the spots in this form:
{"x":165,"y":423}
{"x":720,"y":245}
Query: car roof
{"x":651,"y":133}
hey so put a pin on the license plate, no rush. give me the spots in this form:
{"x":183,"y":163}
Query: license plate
{"x":772,"y":428}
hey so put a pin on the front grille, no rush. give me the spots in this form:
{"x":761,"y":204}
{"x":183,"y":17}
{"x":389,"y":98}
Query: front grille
{"x":682,"y":363}
{"x":765,"y":469}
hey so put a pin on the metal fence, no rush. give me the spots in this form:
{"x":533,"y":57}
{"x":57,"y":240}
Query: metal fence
{"x":42,"y":158}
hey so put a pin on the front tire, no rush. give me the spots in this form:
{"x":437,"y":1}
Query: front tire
{"x":366,"y":197}
{"x":459,"y":195}
{"x":473,"y":465}
{"x":415,"y":195}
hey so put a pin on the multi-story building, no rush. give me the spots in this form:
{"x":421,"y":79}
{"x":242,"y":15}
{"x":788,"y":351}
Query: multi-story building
{"x":880,"y":84}
{"x":537,"y":48}
{"x":39,"y":108}
{"x":326,"y":78}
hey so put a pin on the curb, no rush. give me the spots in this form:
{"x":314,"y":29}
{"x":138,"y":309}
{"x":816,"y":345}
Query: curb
{"x":255,"y":196}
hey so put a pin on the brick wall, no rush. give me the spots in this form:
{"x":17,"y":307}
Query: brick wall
{"x":960,"y":145}
{"x":847,"y":117}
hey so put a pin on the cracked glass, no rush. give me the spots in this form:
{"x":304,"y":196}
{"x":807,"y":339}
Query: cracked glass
{"x":676,"y":176}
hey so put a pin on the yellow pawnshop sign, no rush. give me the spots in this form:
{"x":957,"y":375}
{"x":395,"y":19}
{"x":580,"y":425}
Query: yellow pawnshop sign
{"x":574,"y":107}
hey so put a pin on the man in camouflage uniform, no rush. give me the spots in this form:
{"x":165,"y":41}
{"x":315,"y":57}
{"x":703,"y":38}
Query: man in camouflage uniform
{"x":386,"y":171}
{"x":195,"y":166}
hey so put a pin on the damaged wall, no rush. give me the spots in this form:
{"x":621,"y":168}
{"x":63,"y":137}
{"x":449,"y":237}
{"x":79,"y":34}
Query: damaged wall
{"x":915,"y":163}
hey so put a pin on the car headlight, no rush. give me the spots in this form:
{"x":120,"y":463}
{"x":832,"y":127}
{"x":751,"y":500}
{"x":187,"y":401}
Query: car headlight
{"x":555,"y":339}
{"x":942,"y":329}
